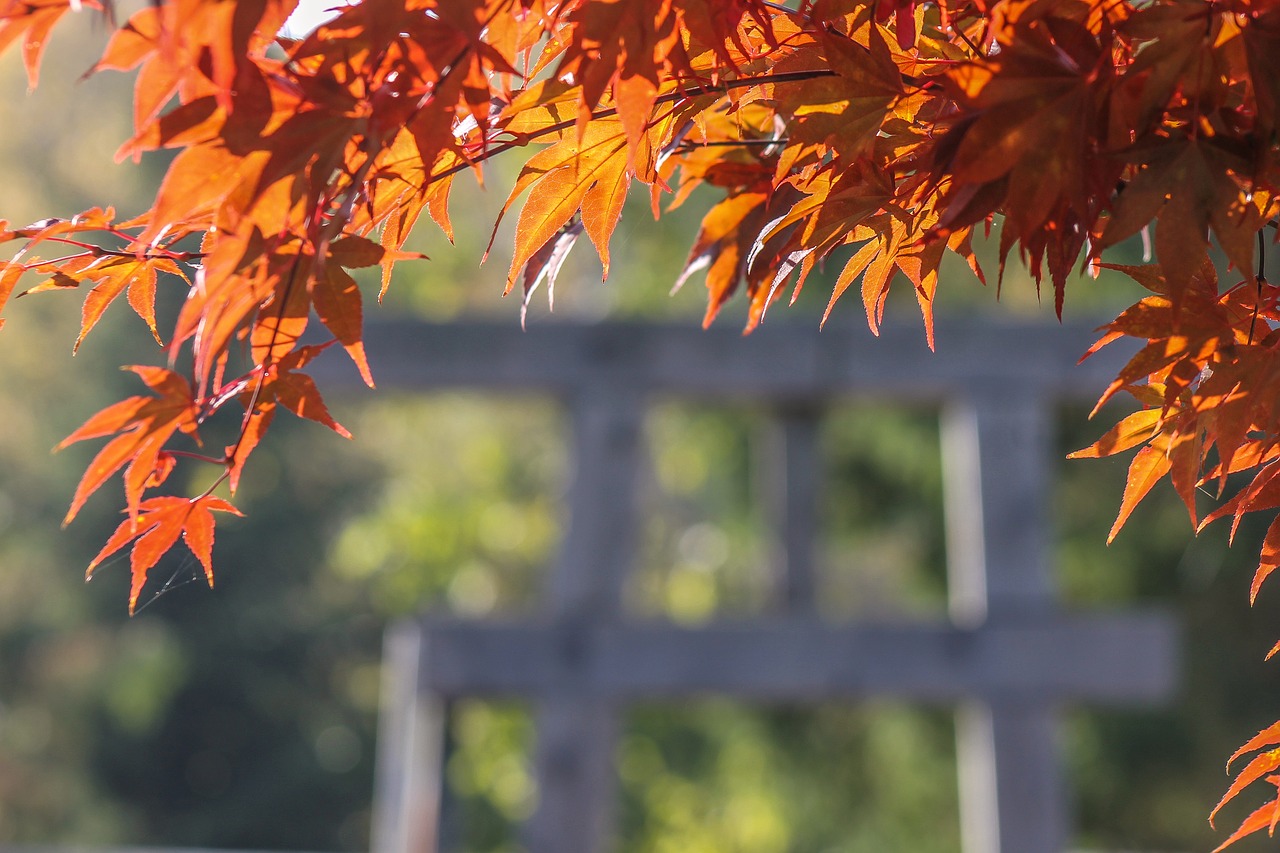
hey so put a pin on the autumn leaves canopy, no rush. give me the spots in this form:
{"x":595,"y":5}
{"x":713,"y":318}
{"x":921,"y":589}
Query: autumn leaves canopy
{"x":872,"y":137}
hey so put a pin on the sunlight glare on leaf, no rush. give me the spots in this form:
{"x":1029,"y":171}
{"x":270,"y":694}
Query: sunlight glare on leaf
{"x":309,"y":15}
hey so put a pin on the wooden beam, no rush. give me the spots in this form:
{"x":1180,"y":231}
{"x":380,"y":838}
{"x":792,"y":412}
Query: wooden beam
{"x":1126,"y":657}
{"x":781,"y":362}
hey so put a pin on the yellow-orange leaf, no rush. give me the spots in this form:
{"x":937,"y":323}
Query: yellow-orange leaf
{"x":338,"y":305}
{"x":1254,"y":770}
{"x":144,"y":425}
{"x":1264,"y":817}
{"x":559,"y":180}
{"x":1151,"y":463}
{"x":1132,"y":430}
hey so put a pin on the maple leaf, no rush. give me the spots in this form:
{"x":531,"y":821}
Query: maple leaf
{"x":156,"y":528}
{"x":723,"y":244}
{"x":142,"y":426}
{"x":545,"y":265}
{"x":281,"y":385}
{"x":337,"y":301}
{"x":590,"y":173}
{"x":1264,"y":817}
{"x":619,"y":46}
{"x":112,"y":275}
{"x":585,"y":172}
{"x":1172,"y":40}
{"x":1148,"y":467}
{"x":629,"y":48}
{"x":746,"y":25}
{"x":1261,"y":39}
{"x":1188,"y":186}
{"x":113,"y":271}
{"x":1134,"y":429}
{"x":1193,"y":401}
{"x":32,"y":21}
{"x":1025,"y":142}
{"x":840,"y":114}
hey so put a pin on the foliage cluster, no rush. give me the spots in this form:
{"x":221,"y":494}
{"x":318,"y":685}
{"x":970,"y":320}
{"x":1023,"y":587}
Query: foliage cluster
{"x":881,"y":136}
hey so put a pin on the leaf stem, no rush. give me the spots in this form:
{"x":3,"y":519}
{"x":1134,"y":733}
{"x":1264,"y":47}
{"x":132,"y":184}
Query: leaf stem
{"x":187,"y":454}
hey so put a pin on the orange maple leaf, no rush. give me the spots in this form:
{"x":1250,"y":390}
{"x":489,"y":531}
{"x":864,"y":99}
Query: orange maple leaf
{"x":156,"y":528}
{"x":142,"y":426}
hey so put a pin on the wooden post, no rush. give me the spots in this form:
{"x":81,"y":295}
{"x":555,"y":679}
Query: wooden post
{"x":996,"y":457}
{"x":576,"y":731}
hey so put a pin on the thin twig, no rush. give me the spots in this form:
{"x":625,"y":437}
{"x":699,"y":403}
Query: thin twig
{"x":1259,"y":280}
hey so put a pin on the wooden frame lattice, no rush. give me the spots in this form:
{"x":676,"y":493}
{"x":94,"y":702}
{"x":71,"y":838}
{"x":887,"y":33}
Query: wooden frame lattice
{"x":1008,"y":656}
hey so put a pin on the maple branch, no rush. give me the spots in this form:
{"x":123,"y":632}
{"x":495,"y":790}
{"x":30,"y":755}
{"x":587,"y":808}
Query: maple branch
{"x":732,"y":143}
{"x":609,"y":112}
{"x":1259,"y":280}
{"x":161,"y":255}
{"x":96,"y":251}
{"x":965,"y":38}
{"x":77,"y":243}
{"x":62,"y":259}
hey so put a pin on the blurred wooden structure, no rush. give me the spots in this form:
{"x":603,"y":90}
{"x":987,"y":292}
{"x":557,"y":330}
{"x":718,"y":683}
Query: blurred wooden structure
{"x":1007,"y":658}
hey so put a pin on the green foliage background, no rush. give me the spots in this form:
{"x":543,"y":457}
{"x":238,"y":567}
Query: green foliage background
{"x":245,"y":717}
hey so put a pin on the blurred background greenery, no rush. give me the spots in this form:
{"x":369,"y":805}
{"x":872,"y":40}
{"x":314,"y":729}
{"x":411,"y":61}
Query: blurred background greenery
{"x":244,"y":717}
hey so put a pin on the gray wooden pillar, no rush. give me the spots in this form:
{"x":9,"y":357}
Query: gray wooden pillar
{"x":996,"y":453}
{"x":577,"y":730}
